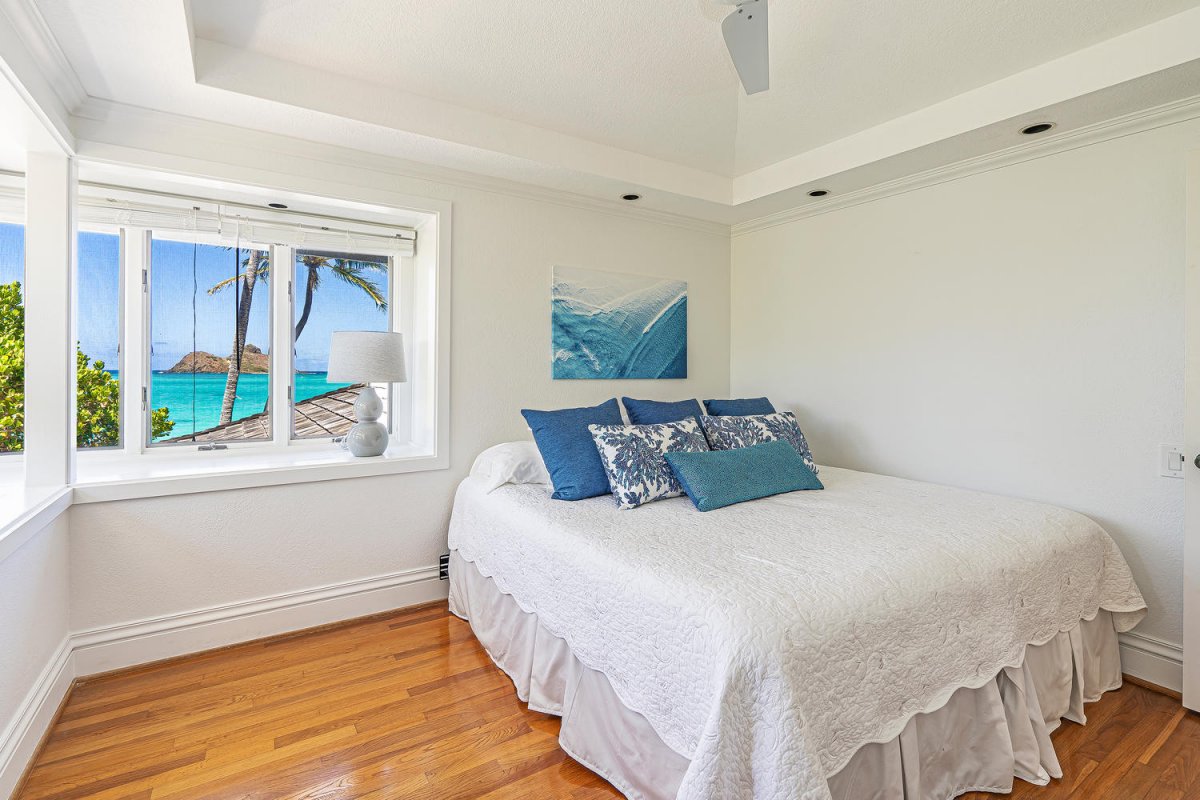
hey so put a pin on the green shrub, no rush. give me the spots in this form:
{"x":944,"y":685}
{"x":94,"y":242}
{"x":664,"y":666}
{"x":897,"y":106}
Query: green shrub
{"x":99,"y":405}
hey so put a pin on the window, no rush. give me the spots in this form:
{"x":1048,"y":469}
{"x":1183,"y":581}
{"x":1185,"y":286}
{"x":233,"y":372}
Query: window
{"x":333,"y":292}
{"x":98,"y":329}
{"x":210,"y":331}
{"x":12,"y":337}
{"x":217,"y":360}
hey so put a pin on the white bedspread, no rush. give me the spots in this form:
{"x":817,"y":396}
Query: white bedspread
{"x":770,"y":640}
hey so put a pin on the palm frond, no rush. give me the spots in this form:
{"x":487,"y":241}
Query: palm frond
{"x":264,"y":270}
{"x":351,"y":272}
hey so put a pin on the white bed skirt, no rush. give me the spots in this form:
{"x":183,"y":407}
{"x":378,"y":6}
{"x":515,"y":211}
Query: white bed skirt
{"x":979,"y":740}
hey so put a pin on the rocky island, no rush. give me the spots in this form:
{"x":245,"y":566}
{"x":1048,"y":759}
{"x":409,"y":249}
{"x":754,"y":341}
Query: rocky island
{"x":253,"y":360}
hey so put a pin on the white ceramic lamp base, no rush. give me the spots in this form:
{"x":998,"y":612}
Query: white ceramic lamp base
{"x":369,"y":436}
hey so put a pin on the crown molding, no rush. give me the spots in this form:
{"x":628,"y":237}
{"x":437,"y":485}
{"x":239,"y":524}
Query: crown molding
{"x":112,"y":116}
{"x":179,"y":128}
{"x":109,"y":113}
{"x":31,"y":26}
{"x":1136,"y":122}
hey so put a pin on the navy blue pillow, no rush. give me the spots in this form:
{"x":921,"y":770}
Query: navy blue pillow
{"x":739,"y":408}
{"x":653,"y":412}
{"x":567,"y":448}
{"x":718,"y":478}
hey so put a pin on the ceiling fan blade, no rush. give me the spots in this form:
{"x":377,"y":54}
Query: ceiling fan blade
{"x":745,"y":32}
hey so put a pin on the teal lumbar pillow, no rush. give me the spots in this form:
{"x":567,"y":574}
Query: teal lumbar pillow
{"x":719,"y":478}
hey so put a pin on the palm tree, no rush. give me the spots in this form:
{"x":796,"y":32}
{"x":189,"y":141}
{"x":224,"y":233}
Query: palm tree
{"x":254,"y":265}
{"x":352,"y":271}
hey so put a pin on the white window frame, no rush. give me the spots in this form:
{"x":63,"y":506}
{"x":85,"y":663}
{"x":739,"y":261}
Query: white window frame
{"x":12,"y":212}
{"x":398,"y":264}
{"x":144,"y":400}
{"x":121,"y":281}
{"x":418,"y":409}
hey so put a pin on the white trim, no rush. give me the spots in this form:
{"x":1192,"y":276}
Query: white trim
{"x":46,"y":51}
{"x":1191,"y":432}
{"x":1152,"y":659}
{"x":30,"y":52}
{"x":156,"y":638}
{"x":1137,"y":122}
{"x":50,"y":244}
{"x":96,"y":112}
{"x":184,"y":471}
{"x":38,"y":509}
{"x":19,"y":741}
{"x":283,"y":345}
{"x":176,"y":127}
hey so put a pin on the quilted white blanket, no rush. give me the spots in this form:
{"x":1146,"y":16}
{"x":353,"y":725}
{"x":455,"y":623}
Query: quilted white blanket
{"x":769,"y":641}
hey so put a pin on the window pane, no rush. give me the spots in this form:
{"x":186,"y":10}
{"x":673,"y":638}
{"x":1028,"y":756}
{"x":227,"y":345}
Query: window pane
{"x":332,"y":292}
{"x":98,"y":323}
{"x":12,"y":338}
{"x":209,"y":333}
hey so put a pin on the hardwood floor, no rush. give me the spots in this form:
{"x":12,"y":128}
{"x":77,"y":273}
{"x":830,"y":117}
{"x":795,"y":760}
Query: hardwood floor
{"x":407,"y":705}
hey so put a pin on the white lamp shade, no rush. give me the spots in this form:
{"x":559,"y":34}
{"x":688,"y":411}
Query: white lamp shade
{"x":366,"y":357}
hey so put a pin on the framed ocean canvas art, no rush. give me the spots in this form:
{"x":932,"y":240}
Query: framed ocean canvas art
{"x":615,"y":325}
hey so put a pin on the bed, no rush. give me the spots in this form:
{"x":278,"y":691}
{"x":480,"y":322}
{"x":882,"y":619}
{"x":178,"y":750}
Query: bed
{"x":882,"y":638}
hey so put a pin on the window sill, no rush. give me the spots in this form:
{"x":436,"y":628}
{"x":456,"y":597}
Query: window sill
{"x":103,"y":477}
{"x":25,"y":511}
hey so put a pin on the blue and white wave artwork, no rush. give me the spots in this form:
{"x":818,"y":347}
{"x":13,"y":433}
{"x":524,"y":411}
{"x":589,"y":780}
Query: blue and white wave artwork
{"x":613,"y":325}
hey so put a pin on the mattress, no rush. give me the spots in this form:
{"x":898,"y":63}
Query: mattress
{"x":769,"y":642}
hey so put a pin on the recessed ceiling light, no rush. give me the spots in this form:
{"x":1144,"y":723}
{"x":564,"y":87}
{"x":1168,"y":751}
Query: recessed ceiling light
{"x":631,"y":197}
{"x":276,"y":205}
{"x":818,"y":193}
{"x":1041,"y":127}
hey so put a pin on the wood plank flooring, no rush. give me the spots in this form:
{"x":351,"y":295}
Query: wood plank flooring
{"x":408,"y":705}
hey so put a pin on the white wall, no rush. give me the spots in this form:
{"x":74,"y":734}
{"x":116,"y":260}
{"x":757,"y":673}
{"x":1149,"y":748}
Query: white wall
{"x":1018,"y":331}
{"x":33,"y":630}
{"x":134,"y":560}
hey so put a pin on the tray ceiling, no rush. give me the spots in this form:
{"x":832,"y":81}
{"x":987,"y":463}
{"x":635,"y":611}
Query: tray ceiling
{"x":592,"y":96}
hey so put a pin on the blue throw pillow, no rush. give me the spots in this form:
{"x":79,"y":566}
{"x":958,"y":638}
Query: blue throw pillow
{"x":652,"y":412}
{"x":633,"y":458}
{"x":566,"y":446}
{"x":730,"y":433}
{"x":739,"y":408}
{"x":720,"y":478}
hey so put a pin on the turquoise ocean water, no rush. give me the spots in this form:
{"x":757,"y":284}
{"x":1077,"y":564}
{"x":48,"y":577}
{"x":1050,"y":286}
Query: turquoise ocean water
{"x":175,"y":391}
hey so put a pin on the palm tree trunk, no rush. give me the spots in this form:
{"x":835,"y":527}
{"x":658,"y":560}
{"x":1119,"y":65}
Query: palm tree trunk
{"x":239,"y":337}
{"x":309,"y":286}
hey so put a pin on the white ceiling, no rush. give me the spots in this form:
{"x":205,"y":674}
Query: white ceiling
{"x":600,"y":97}
{"x":654,"y":77}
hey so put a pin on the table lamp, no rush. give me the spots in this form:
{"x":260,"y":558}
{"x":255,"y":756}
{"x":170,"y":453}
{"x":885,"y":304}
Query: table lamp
{"x":367,"y":357}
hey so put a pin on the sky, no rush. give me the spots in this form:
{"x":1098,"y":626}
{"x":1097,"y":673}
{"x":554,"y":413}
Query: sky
{"x":336,"y":305}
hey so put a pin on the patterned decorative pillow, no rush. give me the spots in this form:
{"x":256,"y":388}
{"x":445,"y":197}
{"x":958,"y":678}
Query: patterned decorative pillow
{"x":633,"y":458}
{"x":730,"y":433}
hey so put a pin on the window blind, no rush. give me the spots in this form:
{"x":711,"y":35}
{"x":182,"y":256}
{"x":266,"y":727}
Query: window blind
{"x":238,"y":222}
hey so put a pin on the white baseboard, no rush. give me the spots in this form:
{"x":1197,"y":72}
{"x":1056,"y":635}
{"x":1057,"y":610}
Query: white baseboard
{"x":1152,"y":659}
{"x":119,"y":646}
{"x":132,"y":643}
{"x":20,"y":740}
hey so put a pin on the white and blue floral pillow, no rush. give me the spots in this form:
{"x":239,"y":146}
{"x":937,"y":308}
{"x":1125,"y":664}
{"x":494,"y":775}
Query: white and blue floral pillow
{"x":633,"y":458}
{"x":732,"y":433}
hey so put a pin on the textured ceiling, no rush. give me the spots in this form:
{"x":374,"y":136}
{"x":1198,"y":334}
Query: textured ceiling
{"x":653,"y":77}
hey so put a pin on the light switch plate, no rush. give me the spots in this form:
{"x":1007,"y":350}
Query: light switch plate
{"x":1170,"y":460}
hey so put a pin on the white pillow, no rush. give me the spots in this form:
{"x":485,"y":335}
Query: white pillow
{"x":511,"y":462}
